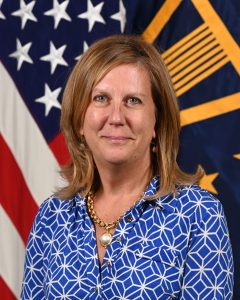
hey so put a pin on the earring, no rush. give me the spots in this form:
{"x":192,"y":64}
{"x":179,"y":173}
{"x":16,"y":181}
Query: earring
{"x":154,"y":145}
{"x":83,"y":143}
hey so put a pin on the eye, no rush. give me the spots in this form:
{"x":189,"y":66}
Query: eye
{"x":134,"y":100}
{"x":100,"y":98}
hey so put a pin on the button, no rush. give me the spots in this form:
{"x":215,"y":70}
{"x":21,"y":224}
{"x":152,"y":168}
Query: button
{"x":118,"y":239}
{"x":129,"y":219}
{"x":107,"y":263}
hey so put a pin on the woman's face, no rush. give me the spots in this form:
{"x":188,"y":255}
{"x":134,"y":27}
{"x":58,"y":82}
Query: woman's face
{"x":120,"y":119}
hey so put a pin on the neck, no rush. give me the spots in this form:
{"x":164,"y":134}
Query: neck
{"x":119,"y":181}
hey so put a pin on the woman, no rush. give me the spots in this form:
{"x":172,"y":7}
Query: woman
{"x":130,"y":224}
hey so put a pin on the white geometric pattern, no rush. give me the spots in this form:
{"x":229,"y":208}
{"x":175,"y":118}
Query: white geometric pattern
{"x":169,"y":248}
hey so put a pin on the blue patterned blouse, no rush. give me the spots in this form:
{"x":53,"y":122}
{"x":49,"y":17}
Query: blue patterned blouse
{"x":167,"y":248}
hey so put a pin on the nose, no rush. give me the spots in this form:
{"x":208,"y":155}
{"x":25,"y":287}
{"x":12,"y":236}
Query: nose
{"x":116,"y":115}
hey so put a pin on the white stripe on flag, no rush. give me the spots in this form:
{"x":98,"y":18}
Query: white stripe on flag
{"x":12,"y":254}
{"x":34,"y":157}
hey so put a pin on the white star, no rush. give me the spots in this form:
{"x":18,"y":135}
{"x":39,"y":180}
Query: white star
{"x":95,"y":256}
{"x":58,"y":12}
{"x":162,"y":227}
{"x":21,"y":54}
{"x":219,"y":251}
{"x":113,"y":279}
{"x":181,"y":270}
{"x":25,"y":12}
{"x":144,"y":239}
{"x":120,"y":16}
{"x":85,"y":47}
{"x":34,"y":235}
{"x":201,"y":269}
{"x":199,"y":202}
{"x":171,"y":247}
{"x":1,"y":14}
{"x":79,"y":280}
{"x":50,"y":282}
{"x":81,"y":202}
{"x":205,"y":233}
{"x":122,"y":231}
{"x":51,"y":242}
{"x":219,"y":215}
{"x":92,"y":14}
{"x":55,"y":57}
{"x":50,"y":99}
{"x":58,"y":252}
{"x":31,"y":268}
{"x":133,"y":268}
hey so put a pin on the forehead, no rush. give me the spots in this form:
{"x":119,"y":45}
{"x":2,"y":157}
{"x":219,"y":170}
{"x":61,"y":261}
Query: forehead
{"x":135,"y":74}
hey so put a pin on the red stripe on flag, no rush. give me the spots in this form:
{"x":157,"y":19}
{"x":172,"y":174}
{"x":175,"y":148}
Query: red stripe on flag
{"x":59,"y":149}
{"x":6,"y":293}
{"x":15,"y":196}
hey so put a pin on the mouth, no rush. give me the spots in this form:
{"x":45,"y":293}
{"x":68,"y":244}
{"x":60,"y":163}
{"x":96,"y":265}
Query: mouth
{"x":117,"y":139}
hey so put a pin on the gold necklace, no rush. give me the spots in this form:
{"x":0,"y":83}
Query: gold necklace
{"x":107,"y":237}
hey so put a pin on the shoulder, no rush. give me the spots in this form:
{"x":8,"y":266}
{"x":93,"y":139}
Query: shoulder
{"x":188,"y":200}
{"x":54,"y":207}
{"x":193,"y":199}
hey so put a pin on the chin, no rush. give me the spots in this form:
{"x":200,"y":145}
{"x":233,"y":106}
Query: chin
{"x":115,"y":157}
{"x":116,"y":160}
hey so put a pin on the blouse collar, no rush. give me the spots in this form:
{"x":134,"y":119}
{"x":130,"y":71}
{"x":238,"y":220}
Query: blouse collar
{"x":167,"y":202}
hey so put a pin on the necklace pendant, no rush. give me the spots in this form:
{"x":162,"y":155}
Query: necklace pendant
{"x":106,"y":239}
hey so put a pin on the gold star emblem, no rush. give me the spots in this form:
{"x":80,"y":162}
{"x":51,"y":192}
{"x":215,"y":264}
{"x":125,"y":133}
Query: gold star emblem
{"x":207,"y":182}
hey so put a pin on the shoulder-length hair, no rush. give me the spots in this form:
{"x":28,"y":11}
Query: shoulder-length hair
{"x":95,"y":63}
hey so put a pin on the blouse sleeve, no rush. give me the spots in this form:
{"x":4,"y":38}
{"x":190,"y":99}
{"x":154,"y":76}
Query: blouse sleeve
{"x":208,"y":272}
{"x":32,"y":286}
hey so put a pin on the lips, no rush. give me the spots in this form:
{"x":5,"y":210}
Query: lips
{"x":116,"y":139}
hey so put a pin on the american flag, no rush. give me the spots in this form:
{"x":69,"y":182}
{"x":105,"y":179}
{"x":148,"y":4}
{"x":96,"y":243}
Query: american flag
{"x":40,"y":43}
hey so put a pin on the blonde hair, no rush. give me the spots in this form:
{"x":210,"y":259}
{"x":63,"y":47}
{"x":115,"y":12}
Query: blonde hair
{"x":94,"y":64}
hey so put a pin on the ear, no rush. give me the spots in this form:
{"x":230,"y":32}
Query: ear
{"x":81,"y":131}
{"x":154,"y":134}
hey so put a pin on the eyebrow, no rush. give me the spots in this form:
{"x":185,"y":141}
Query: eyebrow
{"x":97,"y":90}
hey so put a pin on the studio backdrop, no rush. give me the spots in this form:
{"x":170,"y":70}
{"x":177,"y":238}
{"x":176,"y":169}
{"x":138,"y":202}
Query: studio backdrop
{"x":40,"y":43}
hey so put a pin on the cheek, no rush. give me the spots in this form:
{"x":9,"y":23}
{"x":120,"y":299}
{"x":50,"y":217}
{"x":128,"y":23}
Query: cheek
{"x":145,"y":131}
{"x":93,"y":120}
{"x":149,"y":124}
